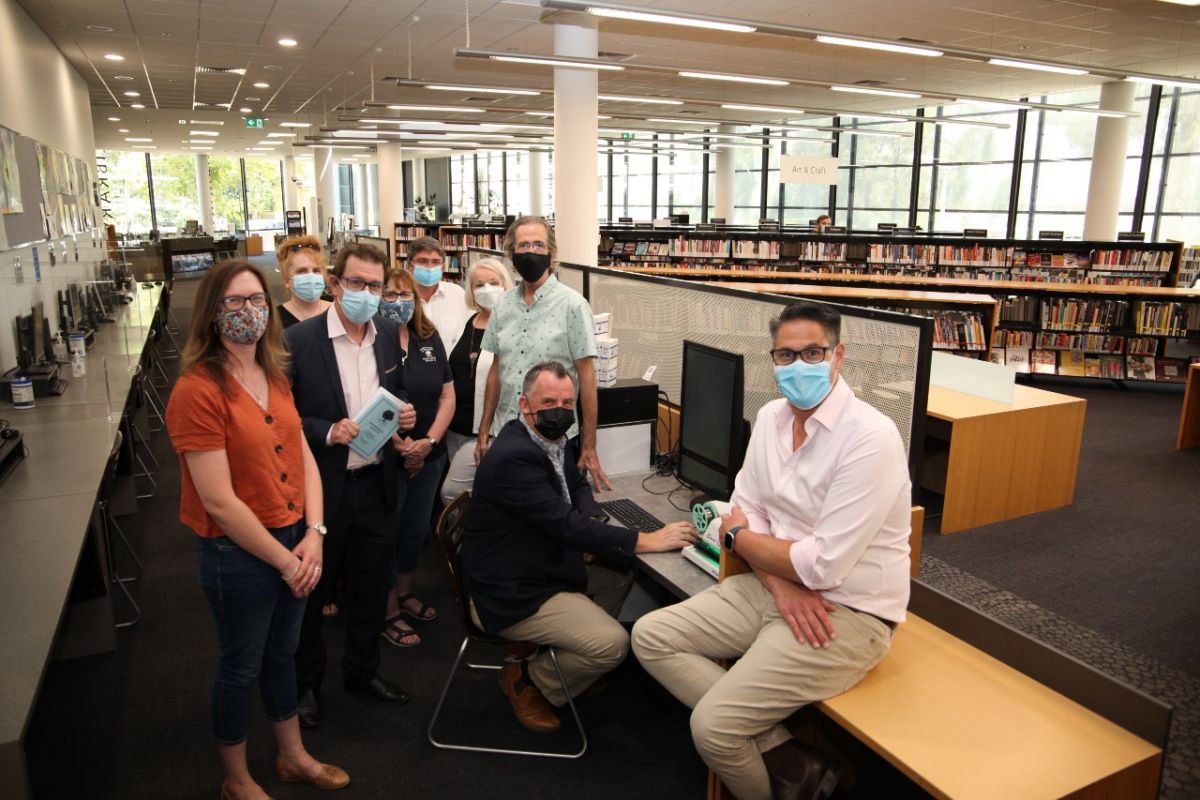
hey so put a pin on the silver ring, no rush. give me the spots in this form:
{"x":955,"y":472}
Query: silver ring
{"x":318,"y":569}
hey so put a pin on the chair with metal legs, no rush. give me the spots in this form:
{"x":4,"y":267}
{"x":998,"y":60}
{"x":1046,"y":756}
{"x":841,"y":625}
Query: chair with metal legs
{"x":113,"y":535}
{"x":449,"y":532}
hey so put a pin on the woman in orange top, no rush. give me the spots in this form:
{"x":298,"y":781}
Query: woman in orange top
{"x":251,"y":491}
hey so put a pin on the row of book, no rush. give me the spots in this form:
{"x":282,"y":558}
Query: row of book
{"x":1132,"y":260}
{"x":406,"y":233}
{"x":642,"y":248}
{"x":974,"y":255}
{"x":954,"y":329}
{"x":755,"y":248}
{"x":1166,"y":319}
{"x":922,"y":254}
{"x":1076,"y":363}
{"x":1083,"y":342}
{"x":460,"y":241}
{"x":700,"y":248}
{"x":1093,"y":316}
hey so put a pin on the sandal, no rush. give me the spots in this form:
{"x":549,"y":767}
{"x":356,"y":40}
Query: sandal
{"x":426,"y":613}
{"x":403,"y":636}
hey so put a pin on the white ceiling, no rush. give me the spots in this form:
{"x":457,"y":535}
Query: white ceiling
{"x":341,"y":41}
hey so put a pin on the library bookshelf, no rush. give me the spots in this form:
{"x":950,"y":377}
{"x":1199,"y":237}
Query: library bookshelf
{"x":455,"y":240}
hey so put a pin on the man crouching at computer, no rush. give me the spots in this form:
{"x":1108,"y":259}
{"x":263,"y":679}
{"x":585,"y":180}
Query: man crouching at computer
{"x":821,"y":512}
{"x":532,"y":520}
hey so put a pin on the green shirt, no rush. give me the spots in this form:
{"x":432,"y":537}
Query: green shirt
{"x":557,"y":327}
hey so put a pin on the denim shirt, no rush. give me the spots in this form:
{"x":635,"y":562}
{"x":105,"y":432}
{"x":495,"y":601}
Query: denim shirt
{"x":556,"y":452}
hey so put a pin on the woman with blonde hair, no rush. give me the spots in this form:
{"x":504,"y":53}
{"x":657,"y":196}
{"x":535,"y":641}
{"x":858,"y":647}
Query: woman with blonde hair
{"x":251,"y":492}
{"x":302,"y":265}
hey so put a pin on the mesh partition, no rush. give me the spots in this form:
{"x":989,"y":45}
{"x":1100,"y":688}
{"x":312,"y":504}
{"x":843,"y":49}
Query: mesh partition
{"x":651,"y":320}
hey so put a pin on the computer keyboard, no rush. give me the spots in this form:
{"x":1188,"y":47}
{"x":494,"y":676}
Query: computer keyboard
{"x":631,"y":515}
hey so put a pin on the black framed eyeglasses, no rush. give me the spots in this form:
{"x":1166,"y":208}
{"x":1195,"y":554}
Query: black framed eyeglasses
{"x":295,"y":248}
{"x":236,"y":302}
{"x":813,"y":354}
{"x":393,"y":296}
{"x":358,"y":284}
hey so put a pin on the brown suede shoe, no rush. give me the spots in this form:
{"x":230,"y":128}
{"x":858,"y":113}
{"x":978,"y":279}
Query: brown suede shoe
{"x":530,"y":706}
{"x":329,"y":778}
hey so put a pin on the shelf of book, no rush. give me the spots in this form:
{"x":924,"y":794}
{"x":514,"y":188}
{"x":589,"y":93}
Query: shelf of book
{"x":455,"y":240}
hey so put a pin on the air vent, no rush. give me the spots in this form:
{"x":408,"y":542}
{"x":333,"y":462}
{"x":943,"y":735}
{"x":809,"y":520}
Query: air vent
{"x":480,"y":99}
{"x":911,"y":40}
{"x":875,"y":84}
{"x":610,"y":56}
{"x":220,"y":71}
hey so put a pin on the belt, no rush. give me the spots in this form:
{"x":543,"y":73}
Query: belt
{"x":887,"y":622}
{"x":362,"y":472}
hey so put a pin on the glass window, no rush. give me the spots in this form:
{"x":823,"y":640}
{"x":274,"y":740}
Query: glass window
{"x":462,"y":184}
{"x":1058,"y":154}
{"x":633,"y":174}
{"x":345,"y":190}
{"x":128,"y":206}
{"x":176,"y":199}
{"x":680,"y":172}
{"x":518,"y":182}
{"x":747,"y":180}
{"x":601,"y":185}
{"x":225,"y":186}
{"x":803,"y":203}
{"x":264,"y":193}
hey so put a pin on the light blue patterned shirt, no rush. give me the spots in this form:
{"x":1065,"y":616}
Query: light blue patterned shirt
{"x":556,"y":452}
{"x":557,"y":327}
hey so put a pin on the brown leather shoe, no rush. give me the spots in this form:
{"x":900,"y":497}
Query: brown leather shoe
{"x":530,"y":705}
{"x":329,"y":778}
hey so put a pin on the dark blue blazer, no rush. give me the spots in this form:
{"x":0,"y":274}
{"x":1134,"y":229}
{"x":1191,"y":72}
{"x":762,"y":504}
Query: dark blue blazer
{"x":321,"y":401}
{"x":522,"y":544}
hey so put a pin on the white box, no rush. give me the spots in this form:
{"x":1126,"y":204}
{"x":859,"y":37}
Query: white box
{"x":601,"y":323}
{"x":606,"y":377}
{"x":607,"y":347}
{"x":607,"y":364}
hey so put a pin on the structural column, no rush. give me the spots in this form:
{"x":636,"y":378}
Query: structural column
{"x":723,"y":202}
{"x":1108,"y":163}
{"x":291,"y":189}
{"x":537,"y":175}
{"x":325,"y":172}
{"x":204,"y":190}
{"x":360,"y":195}
{"x":575,"y":130}
{"x":391,"y":186}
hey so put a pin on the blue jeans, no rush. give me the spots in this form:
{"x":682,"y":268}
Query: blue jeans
{"x":414,"y":502}
{"x":258,"y":624}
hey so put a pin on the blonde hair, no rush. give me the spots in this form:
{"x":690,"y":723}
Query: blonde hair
{"x":496,"y":266}
{"x":284,"y":253}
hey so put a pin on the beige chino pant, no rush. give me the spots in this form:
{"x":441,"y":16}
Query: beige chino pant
{"x":737,"y":713}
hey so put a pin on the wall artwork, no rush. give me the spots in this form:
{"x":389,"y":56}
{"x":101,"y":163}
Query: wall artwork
{"x":10,"y":177}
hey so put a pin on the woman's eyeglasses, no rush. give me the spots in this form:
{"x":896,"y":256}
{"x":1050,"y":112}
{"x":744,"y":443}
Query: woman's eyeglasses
{"x":235,"y":302}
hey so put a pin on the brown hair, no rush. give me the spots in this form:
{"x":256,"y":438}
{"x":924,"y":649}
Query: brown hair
{"x":367,"y":252}
{"x":283,"y":253}
{"x":420,"y":323}
{"x":425,"y":244}
{"x":204,"y":349}
{"x":510,"y":238}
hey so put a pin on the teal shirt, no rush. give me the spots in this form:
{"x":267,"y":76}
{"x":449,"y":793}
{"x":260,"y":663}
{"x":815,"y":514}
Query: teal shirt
{"x":557,"y":327}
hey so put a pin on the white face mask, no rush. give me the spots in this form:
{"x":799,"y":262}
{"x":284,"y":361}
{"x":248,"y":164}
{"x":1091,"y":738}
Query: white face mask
{"x":488,"y":295}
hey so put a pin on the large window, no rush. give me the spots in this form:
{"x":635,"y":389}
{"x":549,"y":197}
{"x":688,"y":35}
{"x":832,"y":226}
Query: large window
{"x":128,"y":192}
{"x":805,"y":202}
{"x":462,"y":184}
{"x":966,"y":170}
{"x":264,"y":194}
{"x":1179,"y":187}
{"x":633,"y":176}
{"x":747,"y":178}
{"x":175,"y":197}
{"x":879,"y":166}
{"x":680,"y":176}
{"x":225,"y":186}
{"x":517,"y":182}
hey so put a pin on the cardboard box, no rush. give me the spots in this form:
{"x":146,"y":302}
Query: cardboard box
{"x":606,"y":347}
{"x":601,"y":323}
{"x":606,"y":375}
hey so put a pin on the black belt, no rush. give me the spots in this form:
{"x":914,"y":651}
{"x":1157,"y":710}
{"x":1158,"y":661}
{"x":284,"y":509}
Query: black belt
{"x":362,"y":472}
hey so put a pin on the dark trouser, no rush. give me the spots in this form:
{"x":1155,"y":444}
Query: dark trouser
{"x":258,"y":625}
{"x":414,"y":501}
{"x":359,"y":547}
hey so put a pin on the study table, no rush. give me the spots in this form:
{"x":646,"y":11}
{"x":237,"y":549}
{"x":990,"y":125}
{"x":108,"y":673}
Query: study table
{"x":47,"y":504}
{"x":959,"y":722}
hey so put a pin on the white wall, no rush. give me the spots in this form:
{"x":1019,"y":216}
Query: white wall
{"x":44,"y":98}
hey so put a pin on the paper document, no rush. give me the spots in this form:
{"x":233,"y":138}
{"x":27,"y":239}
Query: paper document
{"x":377,"y":421}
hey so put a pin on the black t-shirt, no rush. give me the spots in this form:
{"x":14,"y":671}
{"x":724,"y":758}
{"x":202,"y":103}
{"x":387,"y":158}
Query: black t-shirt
{"x":462,"y":365}
{"x":286,"y":317}
{"x":426,"y":371}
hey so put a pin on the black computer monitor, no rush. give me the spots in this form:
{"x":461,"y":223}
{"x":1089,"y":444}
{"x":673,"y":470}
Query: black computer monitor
{"x":39,"y":332}
{"x":23,"y":340}
{"x":712,"y":431}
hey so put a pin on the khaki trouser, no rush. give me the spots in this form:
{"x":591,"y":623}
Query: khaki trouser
{"x":589,"y":640}
{"x":737,"y":713}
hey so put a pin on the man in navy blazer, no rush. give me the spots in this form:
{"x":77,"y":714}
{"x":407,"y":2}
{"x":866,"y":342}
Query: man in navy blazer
{"x":339,"y":360}
{"x":532,"y":520}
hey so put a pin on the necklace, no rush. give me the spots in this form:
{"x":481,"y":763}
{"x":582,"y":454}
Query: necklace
{"x":260,"y":399}
{"x":473,"y":348}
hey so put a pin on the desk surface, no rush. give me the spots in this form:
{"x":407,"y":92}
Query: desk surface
{"x":46,"y":503}
{"x":950,"y":405}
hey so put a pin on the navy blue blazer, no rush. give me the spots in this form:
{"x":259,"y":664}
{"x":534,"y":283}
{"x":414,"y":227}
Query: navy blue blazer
{"x":321,"y":401}
{"x":522,"y":544}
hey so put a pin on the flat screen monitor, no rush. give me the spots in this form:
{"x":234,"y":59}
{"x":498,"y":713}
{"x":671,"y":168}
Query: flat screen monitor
{"x":191,"y":262}
{"x":712,"y":431}
{"x":23,"y":340}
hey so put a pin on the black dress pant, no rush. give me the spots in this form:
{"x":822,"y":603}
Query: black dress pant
{"x":358,"y":546}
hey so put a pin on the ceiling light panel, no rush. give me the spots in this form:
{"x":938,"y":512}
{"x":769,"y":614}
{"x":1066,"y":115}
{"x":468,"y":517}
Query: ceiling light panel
{"x":620,"y":98}
{"x":716,"y":76}
{"x":665,"y":19}
{"x":1005,"y":62}
{"x":890,"y":47}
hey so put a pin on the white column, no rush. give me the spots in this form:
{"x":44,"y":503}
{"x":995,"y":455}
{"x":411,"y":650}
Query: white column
{"x":291,"y":189}
{"x":723,"y":202}
{"x":419,"y":179}
{"x":372,"y":176}
{"x":575,"y":223}
{"x":360,"y":195}
{"x":1108,"y":163}
{"x":391,"y":187}
{"x":325,"y":172}
{"x":537,"y":172}
{"x":204,"y":190}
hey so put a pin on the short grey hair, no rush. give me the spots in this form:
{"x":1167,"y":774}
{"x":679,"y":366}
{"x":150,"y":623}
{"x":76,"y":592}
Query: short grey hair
{"x":510,"y":238}
{"x":826,"y":316}
{"x":495,"y":265}
{"x":553,"y":367}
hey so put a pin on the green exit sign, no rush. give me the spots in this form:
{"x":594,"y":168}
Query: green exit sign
{"x":628,"y":135}
{"x":254,"y":122}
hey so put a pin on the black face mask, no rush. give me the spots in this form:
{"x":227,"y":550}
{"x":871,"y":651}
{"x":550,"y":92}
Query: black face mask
{"x":553,"y":423}
{"x":531,"y":265}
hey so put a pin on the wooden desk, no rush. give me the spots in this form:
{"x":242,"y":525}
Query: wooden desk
{"x":1189,"y":415}
{"x":1006,"y":461}
{"x":254,"y":246}
{"x":963,"y":725}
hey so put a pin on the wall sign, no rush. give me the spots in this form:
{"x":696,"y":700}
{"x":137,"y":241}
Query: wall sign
{"x":808,"y":170}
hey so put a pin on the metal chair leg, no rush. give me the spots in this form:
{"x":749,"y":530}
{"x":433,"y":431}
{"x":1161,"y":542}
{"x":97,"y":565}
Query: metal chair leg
{"x":145,"y":473}
{"x":106,"y":521}
{"x":141,"y":570}
{"x":437,"y":711}
{"x":140,"y":438}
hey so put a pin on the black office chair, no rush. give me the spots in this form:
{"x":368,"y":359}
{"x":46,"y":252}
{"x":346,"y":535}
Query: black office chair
{"x":113,"y":534}
{"x":449,"y":531}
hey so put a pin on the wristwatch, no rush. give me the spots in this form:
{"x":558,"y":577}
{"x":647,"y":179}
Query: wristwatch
{"x":319,"y":527}
{"x":731,"y":535}
{"x":432,"y":441}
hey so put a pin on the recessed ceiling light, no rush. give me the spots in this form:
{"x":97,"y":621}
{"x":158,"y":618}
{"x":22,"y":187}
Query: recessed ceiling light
{"x":100,"y":28}
{"x":869,"y":90}
{"x":253,"y":99}
{"x":122,"y":130}
{"x":269,"y":143}
{"x":286,"y":42}
{"x":888,"y":46}
{"x":641,"y":16}
{"x":295,"y":124}
{"x":113,"y":57}
{"x":204,"y":133}
{"x":447,"y":109}
{"x":138,"y":106}
{"x":280,"y":135}
{"x":483,"y":89}
{"x":145,"y":147}
{"x":114,"y":119}
{"x":132,"y":94}
{"x":766,"y":109}
{"x":715,"y":76}
{"x":122,"y":77}
{"x":620,"y":98}
{"x":1005,"y":62}
{"x":272,"y":67}
{"x":208,"y":122}
{"x":199,"y":148}
{"x":246,"y":110}
{"x":267,"y":149}
{"x":539,"y":113}
{"x":137,"y":139}
{"x":262,"y":85}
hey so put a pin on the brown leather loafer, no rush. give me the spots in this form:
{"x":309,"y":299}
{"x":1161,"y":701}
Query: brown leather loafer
{"x":329,"y":778}
{"x":530,"y":705}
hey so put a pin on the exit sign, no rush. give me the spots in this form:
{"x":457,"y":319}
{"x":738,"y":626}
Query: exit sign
{"x":628,"y":135}
{"x":254,"y":122}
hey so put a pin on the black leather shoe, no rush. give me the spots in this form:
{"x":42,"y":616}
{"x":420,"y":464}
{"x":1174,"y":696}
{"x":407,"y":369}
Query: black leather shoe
{"x":379,"y":689}
{"x":310,"y":709}
{"x":801,"y":772}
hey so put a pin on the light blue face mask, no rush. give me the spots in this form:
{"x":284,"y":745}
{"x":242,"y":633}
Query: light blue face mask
{"x":399,"y":312}
{"x":359,"y":306}
{"x":308,"y":286}
{"x":427,"y":276}
{"x":804,"y":385}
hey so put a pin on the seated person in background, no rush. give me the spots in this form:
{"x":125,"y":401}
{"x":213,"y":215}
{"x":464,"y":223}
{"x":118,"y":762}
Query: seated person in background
{"x":823,"y":222}
{"x":444,"y":303}
{"x":487,"y":280}
{"x":531,"y":521}
{"x":821,"y":512}
{"x":302,"y":265}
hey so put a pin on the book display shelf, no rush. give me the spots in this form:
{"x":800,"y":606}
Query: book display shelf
{"x":405,"y":232}
{"x":454,"y":238}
